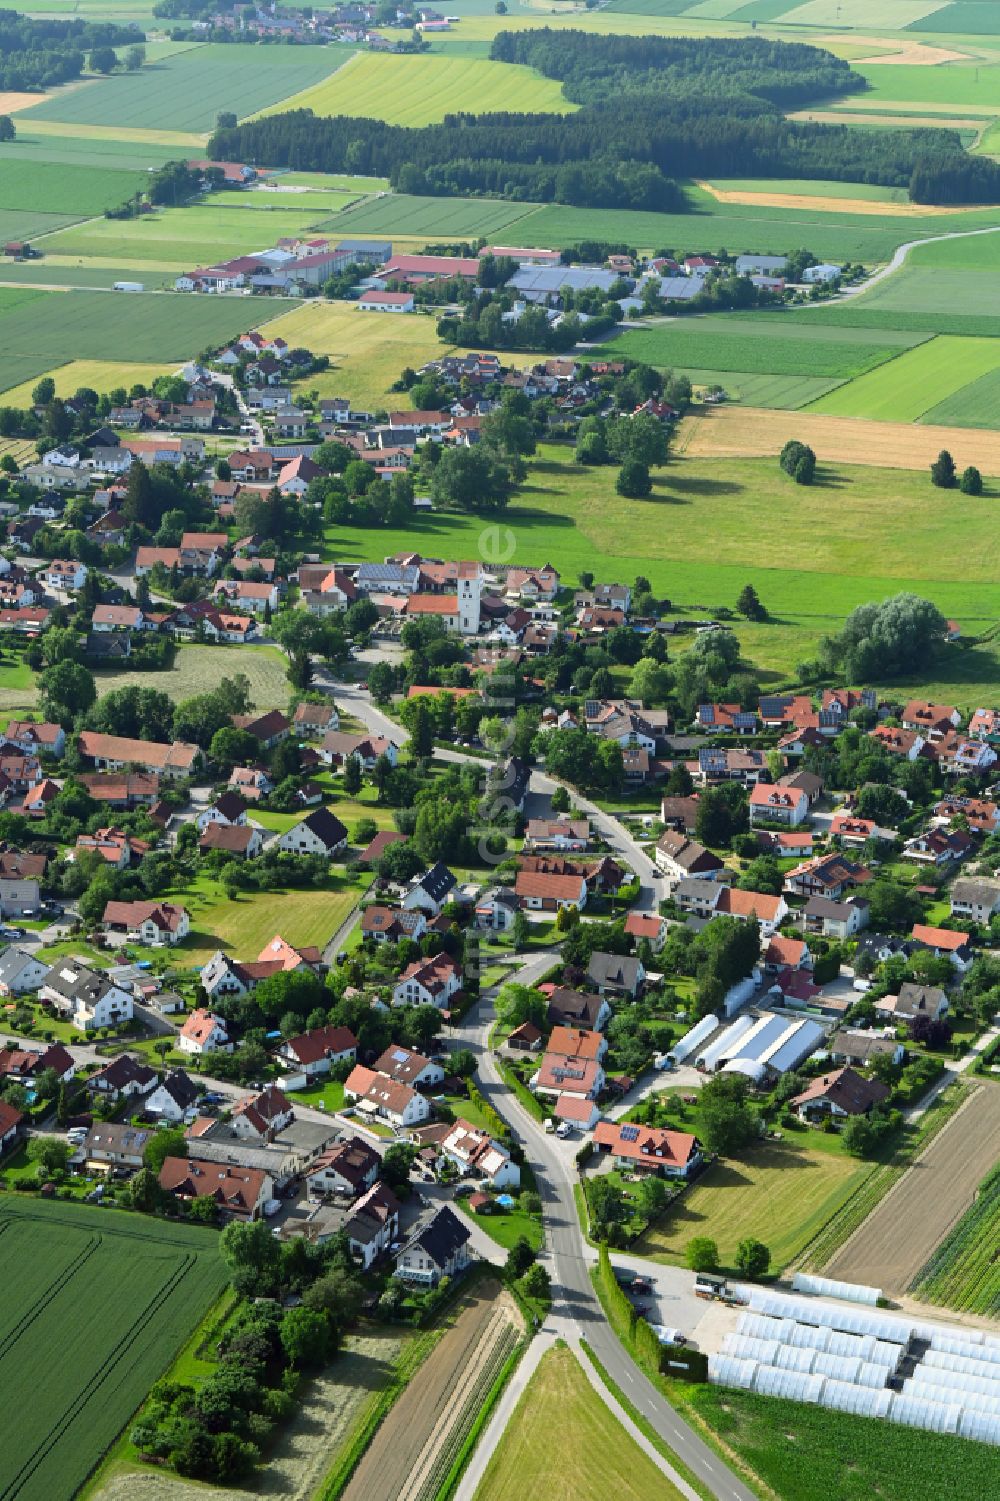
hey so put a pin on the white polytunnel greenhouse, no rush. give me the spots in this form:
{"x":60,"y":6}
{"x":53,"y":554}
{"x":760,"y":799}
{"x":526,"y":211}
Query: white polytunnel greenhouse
{"x":790,"y":1358}
{"x":759,"y":1326}
{"x":863,"y":1401}
{"x":727,"y":1370}
{"x":849,"y":1320}
{"x":983,"y":1426}
{"x":957,"y":1381}
{"x":943,"y":1361}
{"x":828,"y":1287}
{"x":794,"y":1385}
{"x":693,"y":1039}
{"x":746,"y":1348}
{"x":710,"y":1056}
{"x":971,"y":1401}
{"x":915,"y":1412}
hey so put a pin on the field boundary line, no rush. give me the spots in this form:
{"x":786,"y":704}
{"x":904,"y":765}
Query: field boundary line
{"x":45,"y":1297}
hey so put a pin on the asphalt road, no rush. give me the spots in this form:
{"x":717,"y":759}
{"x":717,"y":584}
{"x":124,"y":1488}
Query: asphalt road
{"x":575,"y":1306}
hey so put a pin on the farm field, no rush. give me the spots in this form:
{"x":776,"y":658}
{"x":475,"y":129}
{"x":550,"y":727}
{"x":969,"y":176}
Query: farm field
{"x":59,"y":326}
{"x":730,"y":344}
{"x":200,"y":233}
{"x":30,"y":224}
{"x":421,"y":90}
{"x":98,"y":273}
{"x":193,"y":86}
{"x":410,"y":214}
{"x":242,"y":927}
{"x":804,"y":187}
{"x":200,"y":669}
{"x":962,"y":85}
{"x":71,"y":149}
{"x":100,"y":375}
{"x":964,"y":1271}
{"x":64,"y":188}
{"x":784,"y":392}
{"x":98,"y":1304}
{"x":870,"y":1458}
{"x":974,"y":405}
{"x":904,"y":389}
{"x":413,"y":1447}
{"x":899,"y":1237}
{"x":560,"y":1429}
{"x":782,"y":1194}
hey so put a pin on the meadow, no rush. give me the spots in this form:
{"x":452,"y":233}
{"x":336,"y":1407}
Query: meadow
{"x":782,"y":1194}
{"x":967,"y":85}
{"x":190,"y":88}
{"x":59,"y":326}
{"x":198,"y":234}
{"x":785,"y":392}
{"x":99,"y":375}
{"x":422,"y":90}
{"x":563,"y":1440}
{"x":85,"y":151}
{"x":243,"y":926}
{"x":795,"y":1448}
{"x":919,"y":379}
{"x":98,"y":1304}
{"x":367,"y":351}
{"x":200,"y":669}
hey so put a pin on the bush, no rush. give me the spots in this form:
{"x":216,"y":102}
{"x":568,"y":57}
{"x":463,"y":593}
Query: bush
{"x":798,"y":460}
{"x":702,"y":1254}
{"x":633,"y":480}
{"x":971,"y":482}
{"x":943,"y":471}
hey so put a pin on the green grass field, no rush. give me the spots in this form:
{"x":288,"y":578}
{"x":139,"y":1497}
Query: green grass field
{"x":200,"y":669}
{"x":562,"y":1441}
{"x":976,"y":16}
{"x":964,"y":1272}
{"x":437,"y":218}
{"x":785,"y":392}
{"x":64,"y":188}
{"x":244,"y":926}
{"x":907,"y":387}
{"x":62,"y":326}
{"x":200,"y":233}
{"x":702,"y":343}
{"x":965,"y":85}
{"x":187,"y":90}
{"x":782,"y":1194}
{"x":74,"y":150}
{"x":421,"y":90}
{"x":974,"y":405}
{"x":806,"y":187}
{"x":795,"y":1447}
{"x":98,"y":1304}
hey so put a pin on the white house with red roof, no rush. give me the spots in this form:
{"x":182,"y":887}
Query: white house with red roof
{"x":647,"y":1149}
{"x":203,"y":1032}
{"x":428,"y":982}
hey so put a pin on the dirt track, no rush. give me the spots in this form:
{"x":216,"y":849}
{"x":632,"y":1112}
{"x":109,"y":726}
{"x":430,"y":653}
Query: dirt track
{"x":728,"y":432}
{"x":402,"y":1451}
{"x":898,"y":1237}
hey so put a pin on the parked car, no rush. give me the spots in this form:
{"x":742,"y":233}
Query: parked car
{"x":668,"y":1336}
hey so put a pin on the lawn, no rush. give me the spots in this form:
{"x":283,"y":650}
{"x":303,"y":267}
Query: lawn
{"x":907,"y":387}
{"x":200,"y":669}
{"x":17,"y":683}
{"x":795,"y":1448}
{"x":506,"y":1226}
{"x":98,"y":1304}
{"x":242,"y":927}
{"x":367,"y":352}
{"x":212,"y":229}
{"x":59,"y":326}
{"x":781,"y":1193}
{"x":328,"y":1095}
{"x":562,"y":1441}
{"x":190,"y":88}
{"x":99,"y":375}
{"x":421,"y":90}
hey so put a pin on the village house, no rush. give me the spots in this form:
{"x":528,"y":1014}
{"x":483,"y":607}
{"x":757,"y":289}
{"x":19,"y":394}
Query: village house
{"x":541,"y":892}
{"x":577,"y":1008}
{"x":116,"y":752}
{"x":913,"y":1002}
{"x":779,"y":804}
{"x":204,"y":1033}
{"x":616,"y":974}
{"x":174,"y":1097}
{"x":153,"y":923}
{"x":375,"y":1093}
{"x":838,"y":1095}
{"x":975,"y":898}
{"x":438,"y":1248}
{"x":647,"y":1149}
{"x":428,"y":982}
{"x":679,"y":858}
{"x":383,"y":924}
{"x":350,"y":1168}
{"x":260,"y":1117}
{"x":240,"y":1192}
{"x":108,"y":1145}
{"x":561,"y":834}
{"x":430,"y":892}
{"x":20,"y":972}
{"x":373,"y":1226}
{"x":319,"y":833}
{"x":314,"y":1053}
{"x":85,"y":997}
{"x":123,"y":1078}
{"x":945,"y":943}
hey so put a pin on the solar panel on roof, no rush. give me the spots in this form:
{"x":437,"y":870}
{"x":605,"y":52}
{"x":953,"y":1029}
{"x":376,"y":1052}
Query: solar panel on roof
{"x":400,"y":1055}
{"x":630,"y":1133}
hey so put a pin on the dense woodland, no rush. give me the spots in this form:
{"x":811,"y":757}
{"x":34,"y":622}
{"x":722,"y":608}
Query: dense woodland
{"x":654,"y":110}
{"x":37,"y":54}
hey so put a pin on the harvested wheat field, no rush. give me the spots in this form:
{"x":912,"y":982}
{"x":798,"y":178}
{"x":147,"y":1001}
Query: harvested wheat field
{"x":11,"y":101}
{"x":822,"y":204}
{"x":733,"y":432}
{"x":414,"y":1447}
{"x":897,"y":1239}
{"x":915,"y":54}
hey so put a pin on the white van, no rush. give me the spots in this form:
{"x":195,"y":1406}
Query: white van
{"x":549,"y":1124}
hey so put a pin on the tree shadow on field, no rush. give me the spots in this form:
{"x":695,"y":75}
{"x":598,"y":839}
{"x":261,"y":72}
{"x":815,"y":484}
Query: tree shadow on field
{"x":700,"y":485}
{"x":829,"y":479}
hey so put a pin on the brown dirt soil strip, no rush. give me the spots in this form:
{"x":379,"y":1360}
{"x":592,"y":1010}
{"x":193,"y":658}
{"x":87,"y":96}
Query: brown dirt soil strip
{"x":831,"y":205}
{"x":11,"y":101}
{"x":900,"y":122}
{"x":400,"y":1446}
{"x":735,"y":432}
{"x":899,"y":1236}
{"x":916,"y":54}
